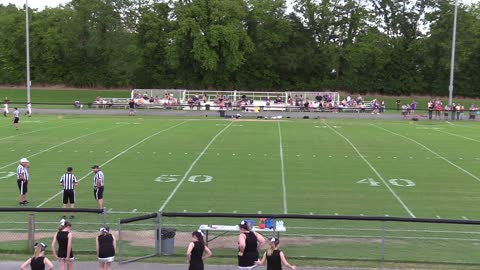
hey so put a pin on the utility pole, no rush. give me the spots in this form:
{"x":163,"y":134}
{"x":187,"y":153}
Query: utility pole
{"x":452,"y":64}
{"x":27,"y":43}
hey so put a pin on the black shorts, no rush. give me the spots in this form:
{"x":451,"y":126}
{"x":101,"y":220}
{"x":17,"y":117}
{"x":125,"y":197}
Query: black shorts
{"x":68,"y":195}
{"x":98,"y":193}
{"x":15,"y":120}
{"x":22,"y":186}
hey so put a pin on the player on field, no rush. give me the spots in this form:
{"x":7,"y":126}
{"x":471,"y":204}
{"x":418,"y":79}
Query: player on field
{"x":22,"y":181}
{"x":29,"y":109}
{"x":68,"y":181}
{"x":98,"y":185}
{"x":16,"y":118}
{"x":5,"y":107}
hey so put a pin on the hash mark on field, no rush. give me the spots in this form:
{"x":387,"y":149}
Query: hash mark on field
{"x":311,"y":213}
{"x":394,"y":157}
{"x":76,"y":151}
{"x":209,"y":211}
{"x":259,"y":212}
{"x":387,"y":215}
{"x":431,"y":151}
{"x":154,"y":153}
{"x":336,"y":214}
{"x":234,"y":211}
{"x":110,"y":210}
{"x":134,"y":210}
{"x":169,"y":153}
{"x":29,"y":150}
{"x":60,"y":151}
{"x":106,"y":152}
{"x":438,"y":217}
{"x":165,"y":203}
{"x":115,"y":157}
{"x":233,"y":154}
{"x":184,"y":210}
{"x":186,"y":153}
{"x":405,"y":207}
{"x":464,"y":217}
{"x":13,"y":150}
{"x":361,"y":215}
{"x":329,"y":156}
{"x":249,"y":154}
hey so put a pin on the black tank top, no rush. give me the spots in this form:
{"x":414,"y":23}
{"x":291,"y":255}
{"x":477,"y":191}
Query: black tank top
{"x":62,"y":239}
{"x":197,"y":251}
{"x":274,"y":262}
{"x":37,"y":263}
{"x":105,"y":246}
{"x":250,"y":253}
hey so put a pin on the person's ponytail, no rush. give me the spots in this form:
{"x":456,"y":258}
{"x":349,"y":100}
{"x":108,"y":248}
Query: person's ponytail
{"x":273,"y":245}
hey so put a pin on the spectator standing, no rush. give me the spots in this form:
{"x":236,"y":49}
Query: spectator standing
{"x":98,"y":185}
{"x":106,"y":247}
{"x":249,"y":243}
{"x":274,"y":257}
{"x":413,"y":106}
{"x":454,"y":111}
{"x":446,"y":110}
{"x":22,"y":181}
{"x":38,"y":261}
{"x":131,"y":106}
{"x":63,"y":237}
{"x":68,"y":181}
{"x":472,"y":112}
{"x":197,"y":251}
{"x":438,"y":111}
{"x":430,"y":110}
{"x":398,"y":104}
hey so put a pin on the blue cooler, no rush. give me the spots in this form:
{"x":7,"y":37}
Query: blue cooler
{"x":270,"y":223}
{"x":250,"y":223}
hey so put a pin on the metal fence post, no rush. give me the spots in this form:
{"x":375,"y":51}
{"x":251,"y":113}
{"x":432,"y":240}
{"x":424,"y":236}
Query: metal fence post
{"x":31,"y":232}
{"x":120,"y":257}
{"x":158,"y":243}
{"x":383,"y":240}
{"x":104,"y":217}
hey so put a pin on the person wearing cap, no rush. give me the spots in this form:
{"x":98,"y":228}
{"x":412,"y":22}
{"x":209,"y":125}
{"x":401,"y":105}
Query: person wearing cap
{"x":22,"y":181}
{"x":63,"y":237}
{"x":249,"y":242}
{"x":68,"y":181}
{"x":274,"y":257}
{"x":197,"y":251}
{"x":106,"y":247}
{"x":98,"y":185}
{"x":38,"y":261}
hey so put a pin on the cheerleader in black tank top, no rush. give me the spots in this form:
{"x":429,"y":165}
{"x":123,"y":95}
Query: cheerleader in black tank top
{"x":196,"y":250}
{"x":38,"y":261}
{"x":274,"y":257}
{"x":63,"y":237}
{"x":249,"y":243}
{"x":106,"y":246}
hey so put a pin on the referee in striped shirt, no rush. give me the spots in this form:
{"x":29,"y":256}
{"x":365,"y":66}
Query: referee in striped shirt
{"x":68,"y":181}
{"x":22,"y":181}
{"x":98,"y":185}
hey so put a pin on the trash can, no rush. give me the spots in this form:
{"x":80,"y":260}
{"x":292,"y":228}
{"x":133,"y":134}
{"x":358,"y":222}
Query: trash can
{"x":168,"y":241}
{"x":207,"y":107}
{"x":222,"y":113}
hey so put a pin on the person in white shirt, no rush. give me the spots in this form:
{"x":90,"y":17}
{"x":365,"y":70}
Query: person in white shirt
{"x":29,"y":109}
{"x":5,"y":108}
{"x":16,"y":118}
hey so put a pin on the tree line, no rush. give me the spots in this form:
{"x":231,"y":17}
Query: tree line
{"x":396,"y":47}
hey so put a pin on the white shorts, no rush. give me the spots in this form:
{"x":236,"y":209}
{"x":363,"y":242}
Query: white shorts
{"x":246,"y":267}
{"x":5,"y":110}
{"x":106,"y":260}
{"x":65,"y":259}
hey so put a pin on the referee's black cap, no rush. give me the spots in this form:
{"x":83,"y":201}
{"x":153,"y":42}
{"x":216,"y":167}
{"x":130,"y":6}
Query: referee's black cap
{"x":95,"y":167}
{"x":69,"y":169}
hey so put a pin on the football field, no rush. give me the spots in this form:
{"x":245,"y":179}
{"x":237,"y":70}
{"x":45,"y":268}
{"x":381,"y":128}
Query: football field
{"x":316,"y":166}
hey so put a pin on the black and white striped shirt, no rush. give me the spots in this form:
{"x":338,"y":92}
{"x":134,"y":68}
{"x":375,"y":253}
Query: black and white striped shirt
{"x":68,"y":180}
{"x":98,"y":178}
{"x":22,"y":171}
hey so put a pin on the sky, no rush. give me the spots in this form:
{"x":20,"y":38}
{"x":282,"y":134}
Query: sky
{"x":40,"y":4}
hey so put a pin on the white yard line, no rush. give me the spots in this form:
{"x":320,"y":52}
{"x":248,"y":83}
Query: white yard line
{"x":460,"y":136}
{"x":431,"y":151}
{"x":375,"y":171}
{"x":282,"y":163}
{"x":35,"y":131}
{"x":165,"y":203}
{"x":115,"y":157}
{"x":58,"y":145}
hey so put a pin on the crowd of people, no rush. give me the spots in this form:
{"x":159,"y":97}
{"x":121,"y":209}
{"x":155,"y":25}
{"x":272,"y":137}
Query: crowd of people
{"x":437,"y":110}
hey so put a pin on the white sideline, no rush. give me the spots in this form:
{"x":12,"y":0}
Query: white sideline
{"x":58,"y":145}
{"x":113,"y":158}
{"x":431,"y":151}
{"x":284,"y":186}
{"x":375,"y":171}
{"x":191,"y":168}
{"x":460,"y":136}
{"x":38,"y":130}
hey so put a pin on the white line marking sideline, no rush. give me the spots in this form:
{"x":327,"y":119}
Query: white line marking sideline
{"x":58,"y":145}
{"x":115,"y":157}
{"x":282,"y":163}
{"x":375,"y":171}
{"x":191,"y":168}
{"x":431,"y":151}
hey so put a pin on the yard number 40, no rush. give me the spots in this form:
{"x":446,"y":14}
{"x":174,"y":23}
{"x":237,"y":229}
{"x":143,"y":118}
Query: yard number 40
{"x":396,"y":182}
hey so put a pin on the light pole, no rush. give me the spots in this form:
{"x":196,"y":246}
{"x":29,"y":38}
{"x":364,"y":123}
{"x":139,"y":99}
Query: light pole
{"x":452,"y":64}
{"x":27,"y":43}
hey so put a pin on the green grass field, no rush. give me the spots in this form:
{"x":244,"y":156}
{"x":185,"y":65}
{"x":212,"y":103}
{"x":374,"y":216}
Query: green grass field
{"x":326,"y":167}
